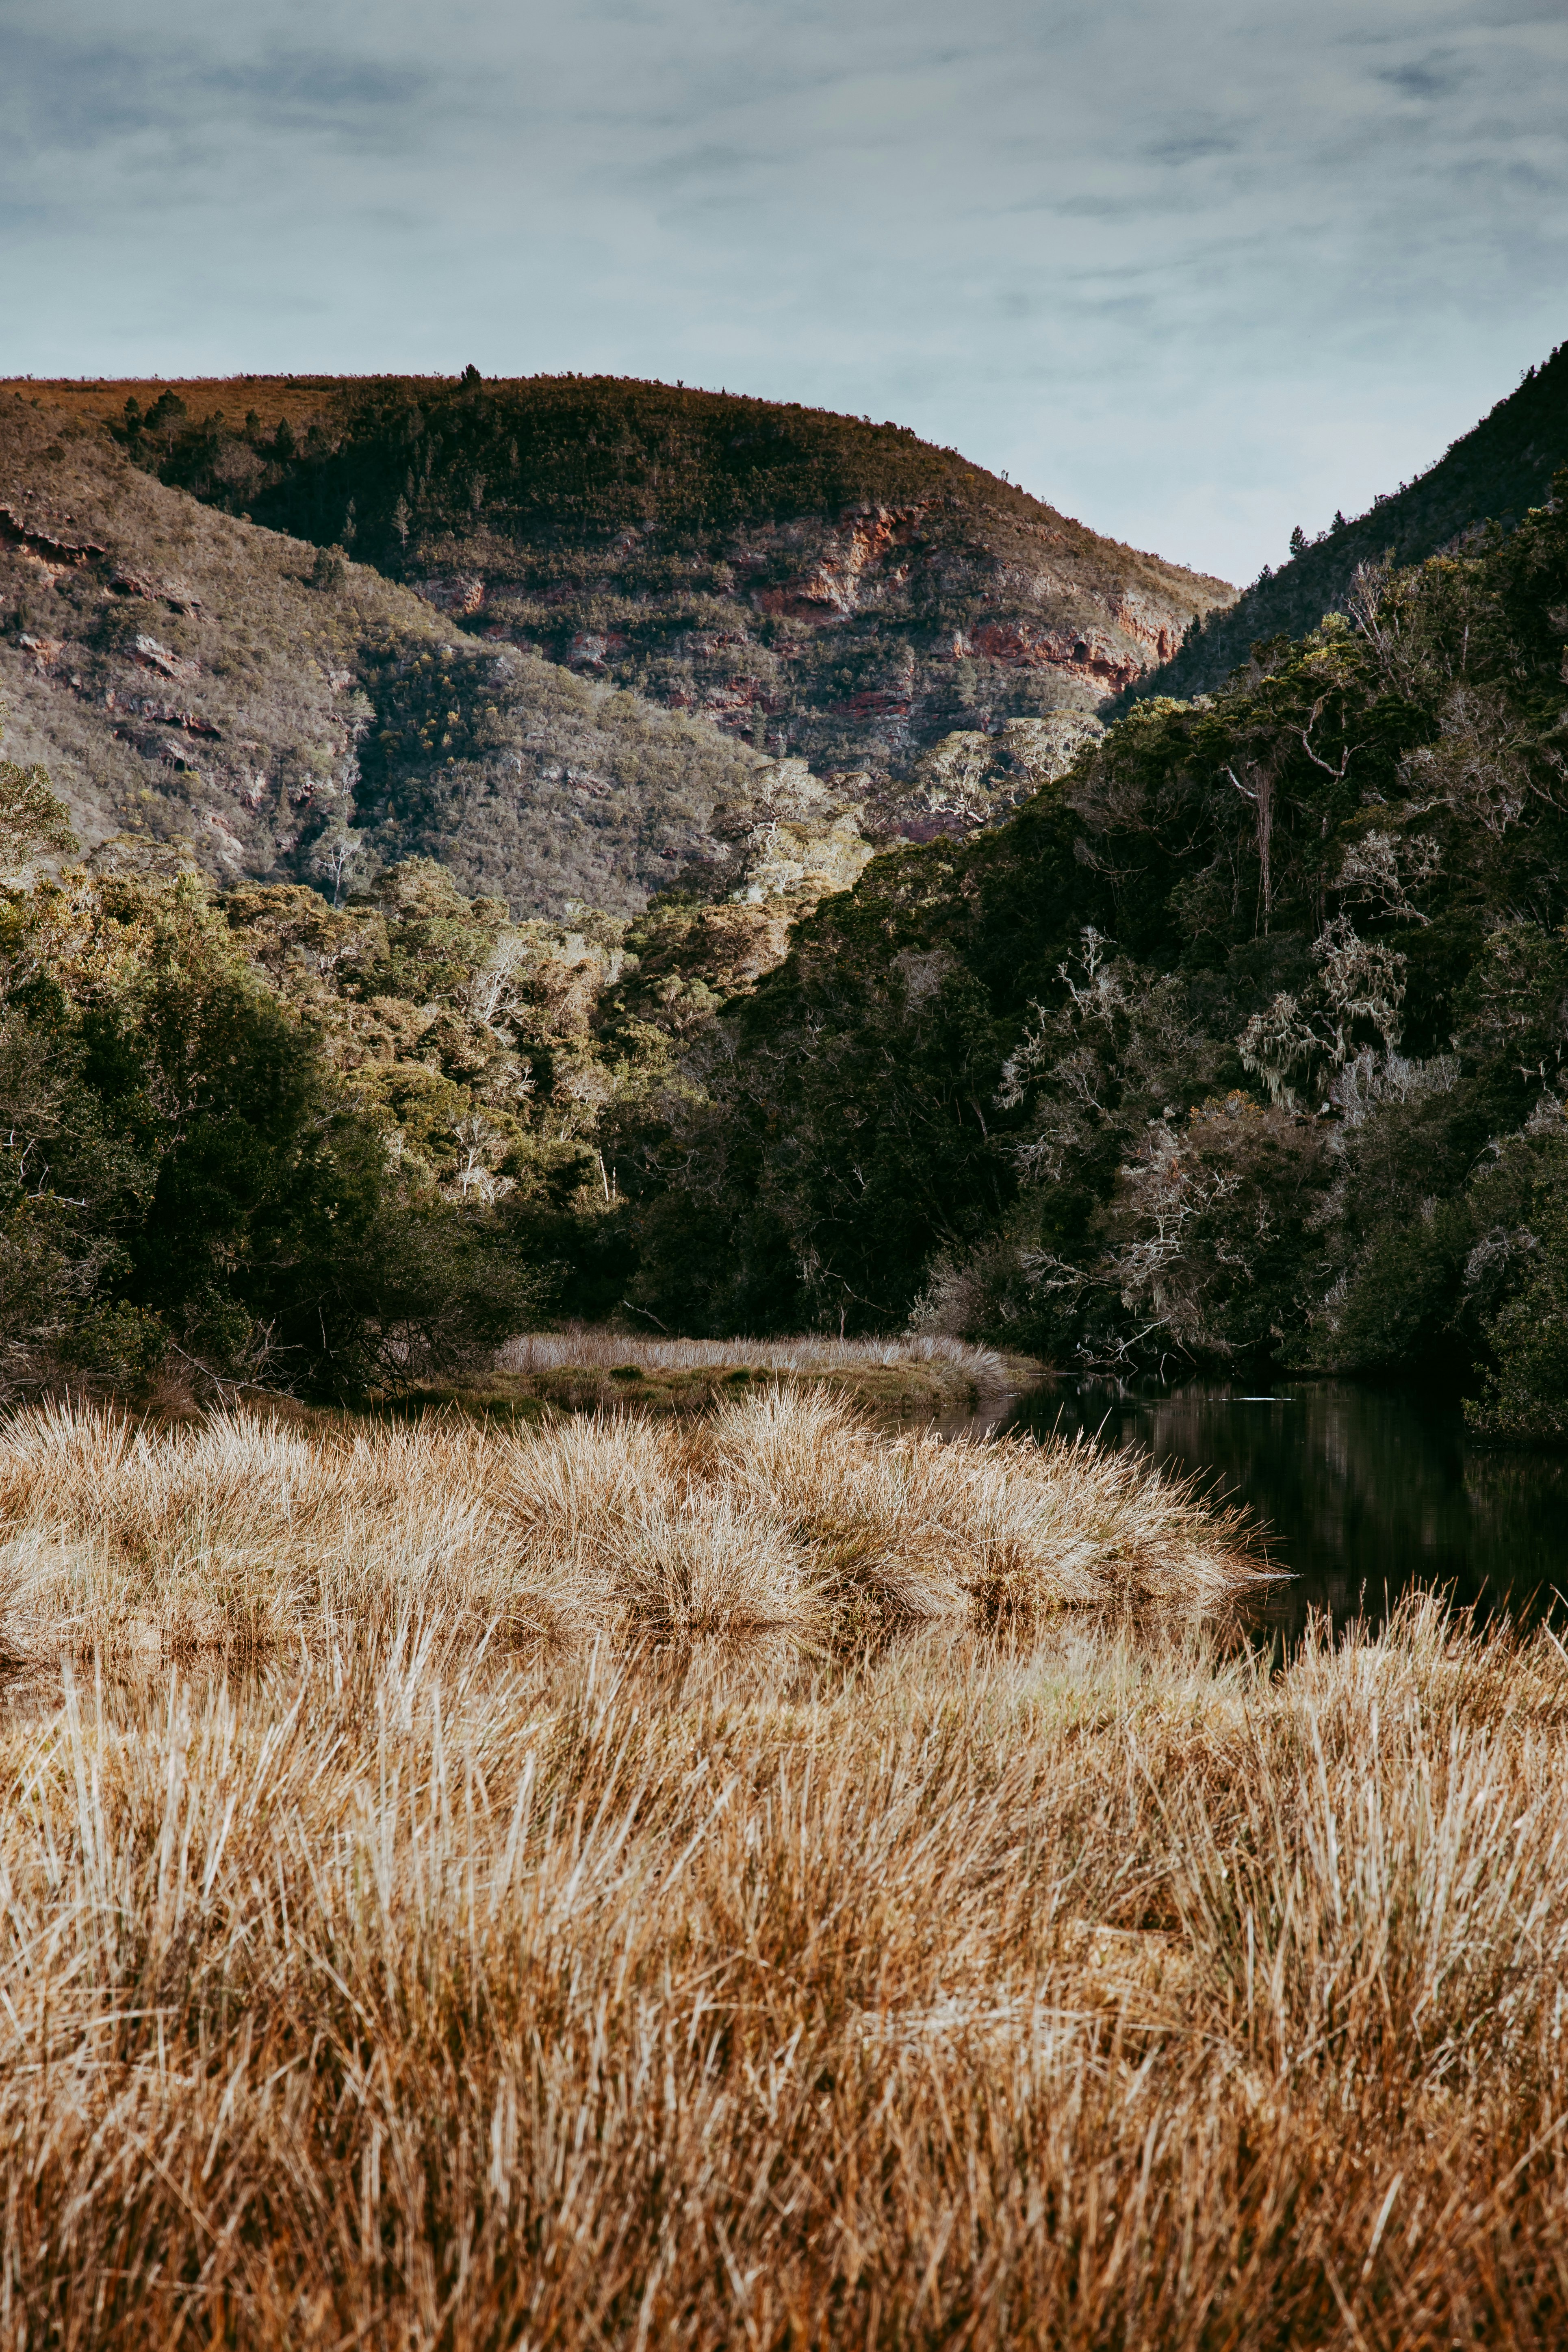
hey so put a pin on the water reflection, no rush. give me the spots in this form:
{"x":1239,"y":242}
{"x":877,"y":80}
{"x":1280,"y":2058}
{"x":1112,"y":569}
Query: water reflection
{"x":1367,"y":1491}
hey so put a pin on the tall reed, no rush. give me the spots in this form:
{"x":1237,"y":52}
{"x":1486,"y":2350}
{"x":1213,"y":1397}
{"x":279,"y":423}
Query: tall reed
{"x":1046,"y":1975}
{"x":782,"y":1508}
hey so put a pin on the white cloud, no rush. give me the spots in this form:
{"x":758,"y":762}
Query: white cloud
{"x":1194,"y":269}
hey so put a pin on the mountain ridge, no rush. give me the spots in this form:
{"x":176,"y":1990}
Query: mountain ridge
{"x":1494,"y":473}
{"x":193,"y":679}
{"x":582,"y":591}
{"x":816,"y":585}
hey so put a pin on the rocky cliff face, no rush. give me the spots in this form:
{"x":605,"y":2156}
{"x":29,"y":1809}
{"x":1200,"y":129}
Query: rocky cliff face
{"x":856,"y":640}
{"x":859,"y":640}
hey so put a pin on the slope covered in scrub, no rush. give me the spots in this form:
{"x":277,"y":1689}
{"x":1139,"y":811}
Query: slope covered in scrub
{"x":188,"y":677}
{"x":1493,"y":474}
{"x":1248,"y":1040}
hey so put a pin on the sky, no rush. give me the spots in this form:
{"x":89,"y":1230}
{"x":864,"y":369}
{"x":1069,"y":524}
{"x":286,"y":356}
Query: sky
{"x":1192,"y":270}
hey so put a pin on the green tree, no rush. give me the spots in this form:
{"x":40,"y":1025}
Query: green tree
{"x":32,"y":817}
{"x":1525,"y":1395}
{"x":188,"y":1174}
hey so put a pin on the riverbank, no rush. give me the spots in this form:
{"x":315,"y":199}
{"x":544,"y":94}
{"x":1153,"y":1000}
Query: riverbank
{"x":669,"y":1971}
{"x":905,"y":1383}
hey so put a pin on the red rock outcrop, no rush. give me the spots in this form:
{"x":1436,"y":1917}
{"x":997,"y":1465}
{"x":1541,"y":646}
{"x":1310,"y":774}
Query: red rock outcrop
{"x":831,"y":590}
{"x":1025,"y":644}
{"x":62,"y":554}
{"x":878,"y":702}
{"x":172,"y":593}
{"x":1136,"y":618}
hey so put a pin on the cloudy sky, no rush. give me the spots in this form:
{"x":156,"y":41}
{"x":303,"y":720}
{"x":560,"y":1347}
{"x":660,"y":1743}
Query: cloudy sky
{"x":1194,"y":270}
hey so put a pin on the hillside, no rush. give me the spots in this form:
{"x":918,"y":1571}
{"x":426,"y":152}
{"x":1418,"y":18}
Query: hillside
{"x":1247,"y":1041}
{"x":1494,"y":473}
{"x":930,"y":638}
{"x":186,"y":676}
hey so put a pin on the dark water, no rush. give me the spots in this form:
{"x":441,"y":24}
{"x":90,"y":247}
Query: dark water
{"x":1367,"y":1492}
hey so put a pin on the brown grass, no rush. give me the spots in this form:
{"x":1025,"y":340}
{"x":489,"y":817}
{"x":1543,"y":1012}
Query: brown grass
{"x":245,"y":1533}
{"x":591,"y":1344}
{"x":299,"y":398}
{"x":896,"y":1382}
{"x":1076,"y":1984}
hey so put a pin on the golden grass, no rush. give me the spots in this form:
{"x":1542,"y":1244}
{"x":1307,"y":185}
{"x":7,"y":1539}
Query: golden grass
{"x":583,"y":1344}
{"x":1073,"y":1984}
{"x":780,"y":1509}
{"x":898,"y":1383}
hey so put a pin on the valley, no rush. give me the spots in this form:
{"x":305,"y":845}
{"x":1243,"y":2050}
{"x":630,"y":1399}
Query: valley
{"x":574,"y":1033}
{"x":712,"y":843}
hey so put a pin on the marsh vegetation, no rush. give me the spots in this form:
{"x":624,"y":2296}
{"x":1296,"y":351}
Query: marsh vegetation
{"x":755,"y":1882}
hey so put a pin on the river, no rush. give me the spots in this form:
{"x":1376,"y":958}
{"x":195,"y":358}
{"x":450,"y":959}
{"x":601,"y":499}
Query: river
{"x":1365,"y":1491}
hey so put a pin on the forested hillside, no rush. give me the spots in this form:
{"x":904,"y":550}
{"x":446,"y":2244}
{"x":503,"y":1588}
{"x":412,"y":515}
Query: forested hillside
{"x":1494,"y":473}
{"x":1245,"y":1040}
{"x":931,"y":638}
{"x":1249,"y":1039}
{"x":246,"y":1135}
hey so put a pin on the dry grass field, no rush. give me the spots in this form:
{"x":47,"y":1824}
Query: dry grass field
{"x":585,"y":1343}
{"x":748,"y":1881}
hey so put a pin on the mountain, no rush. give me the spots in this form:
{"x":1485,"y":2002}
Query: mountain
{"x":930,"y":639}
{"x":189,"y":677}
{"x":1493,"y":474}
{"x":1244,"y":1040}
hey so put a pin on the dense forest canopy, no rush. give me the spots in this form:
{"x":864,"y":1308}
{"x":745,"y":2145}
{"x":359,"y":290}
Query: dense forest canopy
{"x":1245,"y":1039}
{"x":252,"y":1135}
